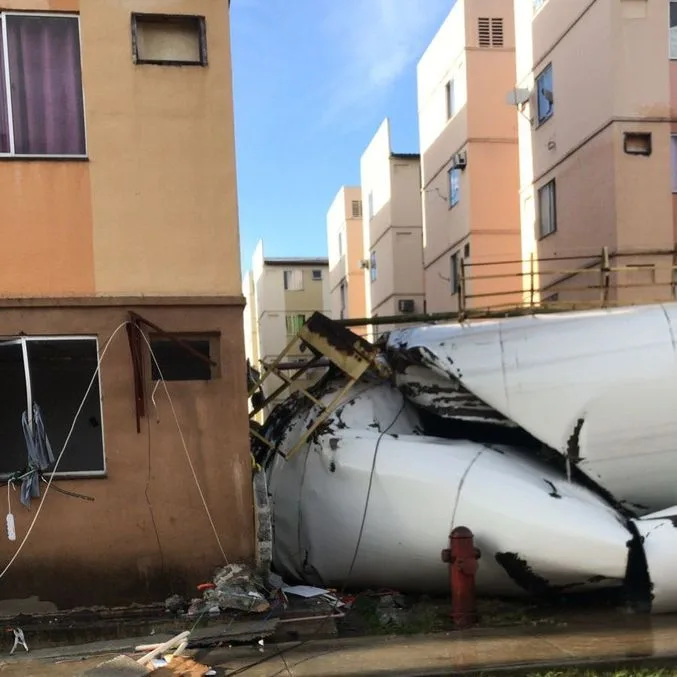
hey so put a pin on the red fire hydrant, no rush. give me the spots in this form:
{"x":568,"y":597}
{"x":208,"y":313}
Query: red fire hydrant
{"x":462,"y":557}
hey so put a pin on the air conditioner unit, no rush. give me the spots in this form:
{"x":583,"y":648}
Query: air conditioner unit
{"x":406,"y":305}
{"x":460,"y":160}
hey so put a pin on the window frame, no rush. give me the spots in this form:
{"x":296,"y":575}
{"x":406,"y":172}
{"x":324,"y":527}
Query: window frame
{"x":5,"y":74}
{"x":450,"y":96}
{"x":23,"y":341}
{"x":673,"y":167}
{"x":292,"y":319}
{"x":543,"y":118}
{"x":316,"y":278}
{"x":170,"y":18}
{"x":671,"y":55}
{"x":550,"y":186}
{"x":288,"y":276}
{"x":454,"y":172}
{"x":454,"y":272}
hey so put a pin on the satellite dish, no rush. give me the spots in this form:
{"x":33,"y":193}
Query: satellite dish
{"x":518,"y":96}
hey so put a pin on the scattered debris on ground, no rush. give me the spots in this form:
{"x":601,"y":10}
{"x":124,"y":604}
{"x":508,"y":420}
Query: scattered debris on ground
{"x":234,"y":587}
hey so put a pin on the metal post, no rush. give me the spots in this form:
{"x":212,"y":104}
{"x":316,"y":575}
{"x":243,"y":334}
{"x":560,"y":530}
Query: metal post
{"x":605,"y":277}
{"x":461,"y":292}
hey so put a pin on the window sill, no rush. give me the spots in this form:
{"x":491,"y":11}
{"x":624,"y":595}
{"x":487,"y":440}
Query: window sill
{"x":44,"y":158}
{"x":540,"y":123}
{"x":540,"y":238}
{"x":73,"y":475}
{"x":171,"y":64}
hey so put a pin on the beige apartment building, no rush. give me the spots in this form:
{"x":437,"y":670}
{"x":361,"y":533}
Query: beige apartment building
{"x":281,"y":294}
{"x":392,"y":229}
{"x":119,"y":269}
{"x":469,"y":156}
{"x":346,"y":256}
{"x":596,"y":95}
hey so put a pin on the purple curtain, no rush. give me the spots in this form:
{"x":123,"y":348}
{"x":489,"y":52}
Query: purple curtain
{"x":46,"y":85}
{"x":4,"y":117}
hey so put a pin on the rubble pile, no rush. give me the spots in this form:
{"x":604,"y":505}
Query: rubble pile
{"x":235,"y":587}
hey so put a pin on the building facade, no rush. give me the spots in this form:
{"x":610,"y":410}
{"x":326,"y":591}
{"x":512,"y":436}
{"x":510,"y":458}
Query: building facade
{"x":469,"y":158}
{"x":596,"y":96}
{"x":346,"y":255}
{"x":120,"y":232}
{"x":392,"y":229}
{"x":281,"y":294}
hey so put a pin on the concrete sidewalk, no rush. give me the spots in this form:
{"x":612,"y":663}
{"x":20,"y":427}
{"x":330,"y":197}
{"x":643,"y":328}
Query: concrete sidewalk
{"x":421,"y":656}
{"x":428,"y":656}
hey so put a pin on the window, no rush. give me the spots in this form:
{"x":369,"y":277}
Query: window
{"x":169,"y":40}
{"x":340,"y":244}
{"x":357,"y":209}
{"x":294,"y":324}
{"x":490,"y":32}
{"x":547,"y":209}
{"x":54,"y":374}
{"x":673,"y":29}
{"x":317,"y":275}
{"x":451,"y":100}
{"x":370,"y":205}
{"x":454,"y":186}
{"x":342,"y":300}
{"x":544,"y":93}
{"x":41,"y":99}
{"x":637,"y":143}
{"x":673,"y":151}
{"x":538,"y":4}
{"x":372,"y":266}
{"x":466,"y":250}
{"x":293,"y":280}
{"x":454,"y":278}
{"x":190,"y":360}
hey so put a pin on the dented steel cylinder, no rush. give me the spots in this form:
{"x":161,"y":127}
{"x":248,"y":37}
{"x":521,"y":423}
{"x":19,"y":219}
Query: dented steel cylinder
{"x":462,"y":557}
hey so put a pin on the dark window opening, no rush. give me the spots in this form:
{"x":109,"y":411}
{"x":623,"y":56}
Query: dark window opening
{"x":637,"y":143}
{"x":317,"y":275}
{"x":455,"y":273}
{"x":59,"y":372}
{"x":176,"y":363}
{"x":169,"y":40}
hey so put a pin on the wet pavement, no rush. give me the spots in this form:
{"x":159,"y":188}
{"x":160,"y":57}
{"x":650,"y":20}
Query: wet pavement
{"x":634,"y":638}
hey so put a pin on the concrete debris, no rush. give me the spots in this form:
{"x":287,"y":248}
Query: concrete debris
{"x":510,"y":428}
{"x":235,"y":587}
{"x":176,"y":604}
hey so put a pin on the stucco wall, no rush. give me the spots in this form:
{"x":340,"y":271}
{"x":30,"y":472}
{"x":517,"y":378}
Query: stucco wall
{"x":107,"y":551}
{"x":154,"y":207}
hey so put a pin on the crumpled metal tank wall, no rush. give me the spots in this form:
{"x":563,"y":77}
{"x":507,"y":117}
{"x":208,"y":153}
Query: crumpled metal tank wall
{"x":598,"y":386}
{"x":536,"y":530}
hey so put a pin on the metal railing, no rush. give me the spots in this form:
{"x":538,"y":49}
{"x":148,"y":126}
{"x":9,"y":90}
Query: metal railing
{"x":538,"y":283}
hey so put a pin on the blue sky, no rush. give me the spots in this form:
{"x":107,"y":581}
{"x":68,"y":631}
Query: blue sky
{"x":313,"y":79}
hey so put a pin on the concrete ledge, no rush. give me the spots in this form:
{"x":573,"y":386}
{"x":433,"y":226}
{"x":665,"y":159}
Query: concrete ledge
{"x":120,"y":301}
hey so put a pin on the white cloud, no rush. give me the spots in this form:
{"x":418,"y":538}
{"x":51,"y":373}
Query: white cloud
{"x":376,"y":42}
